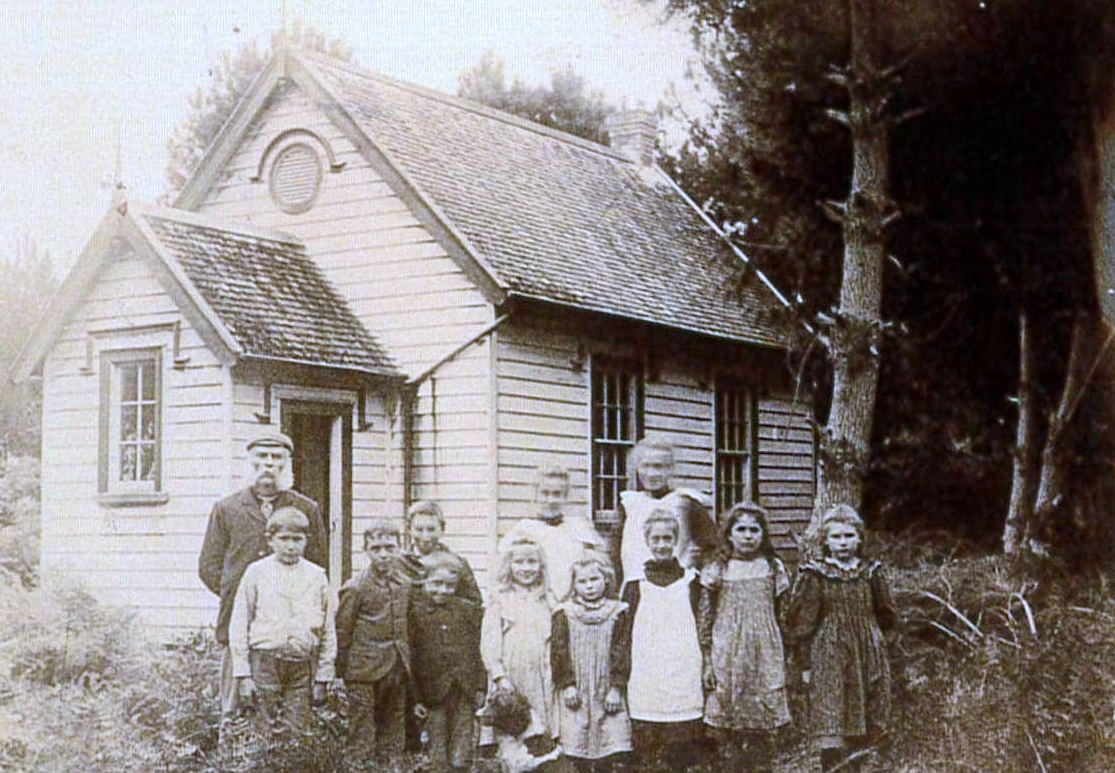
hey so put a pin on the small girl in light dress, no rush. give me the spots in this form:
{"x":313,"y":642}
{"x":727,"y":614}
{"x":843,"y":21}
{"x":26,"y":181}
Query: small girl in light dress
{"x":515,"y":632}
{"x":746,"y":672}
{"x":590,"y":657}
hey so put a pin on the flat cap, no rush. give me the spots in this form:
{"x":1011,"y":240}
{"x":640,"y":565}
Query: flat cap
{"x":270,"y":437}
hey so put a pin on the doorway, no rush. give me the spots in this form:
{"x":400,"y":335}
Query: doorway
{"x":322,"y":468}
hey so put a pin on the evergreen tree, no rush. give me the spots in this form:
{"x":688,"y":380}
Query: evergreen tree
{"x":566,"y":104}
{"x":211,"y":106}
{"x":27,"y":286}
{"x":995,"y":213}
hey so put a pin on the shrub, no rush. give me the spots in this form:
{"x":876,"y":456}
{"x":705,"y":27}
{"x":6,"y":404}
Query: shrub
{"x":997,"y":670}
{"x":66,"y":637}
{"x":19,"y":520}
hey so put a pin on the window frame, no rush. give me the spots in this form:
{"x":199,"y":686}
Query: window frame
{"x":111,"y":489}
{"x":744,"y":457}
{"x":615,"y":366}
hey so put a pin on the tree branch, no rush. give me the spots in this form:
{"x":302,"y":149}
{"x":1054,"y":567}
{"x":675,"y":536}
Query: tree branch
{"x":890,"y":215}
{"x":840,"y":116}
{"x":837,"y":76}
{"x":909,"y":115}
{"x":834,"y":210}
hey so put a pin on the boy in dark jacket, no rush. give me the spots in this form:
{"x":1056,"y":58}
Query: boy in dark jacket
{"x":373,"y":654}
{"x":448,"y":673}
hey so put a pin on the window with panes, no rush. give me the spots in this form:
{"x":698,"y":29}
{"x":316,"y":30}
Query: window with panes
{"x":734,"y":445}
{"x":131,"y":416}
{"x":617,"y":399}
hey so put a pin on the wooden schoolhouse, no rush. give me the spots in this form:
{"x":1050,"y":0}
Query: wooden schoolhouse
{"x":431,"y":298}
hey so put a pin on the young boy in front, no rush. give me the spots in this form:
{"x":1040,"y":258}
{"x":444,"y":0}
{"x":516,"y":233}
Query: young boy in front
{"x":373,"y":653}
{"x":698,"y":536}
{"x":281,"y":635}
{"x":448,"y":672}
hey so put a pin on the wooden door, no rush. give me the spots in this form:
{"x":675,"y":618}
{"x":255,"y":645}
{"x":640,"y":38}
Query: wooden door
{"x":322,"y":468}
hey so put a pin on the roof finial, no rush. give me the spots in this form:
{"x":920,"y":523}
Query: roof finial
{"x":119,"y":198}
{"x":284,"y":11}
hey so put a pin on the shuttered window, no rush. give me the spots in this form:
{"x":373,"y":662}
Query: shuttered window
{"x":734,"y":444}
{"x":617,"y":405}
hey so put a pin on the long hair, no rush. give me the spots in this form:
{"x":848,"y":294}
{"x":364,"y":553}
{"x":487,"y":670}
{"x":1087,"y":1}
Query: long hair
{"x":598,"y":561}
{"x":504,"y":580}
{"x":751,"y":510}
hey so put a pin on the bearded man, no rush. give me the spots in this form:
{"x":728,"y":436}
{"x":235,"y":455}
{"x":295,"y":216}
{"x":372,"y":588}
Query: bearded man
{"x":235,"y":537}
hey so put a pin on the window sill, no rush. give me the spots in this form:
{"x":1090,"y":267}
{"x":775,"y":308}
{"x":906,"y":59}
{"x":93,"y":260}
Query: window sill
{"x":138,"y":499}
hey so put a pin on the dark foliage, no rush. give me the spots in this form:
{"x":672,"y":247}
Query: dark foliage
{"x":996,"y":202}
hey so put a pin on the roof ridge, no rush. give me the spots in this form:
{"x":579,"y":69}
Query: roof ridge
{"x":237,"y":227}
{"x":465,"y":104}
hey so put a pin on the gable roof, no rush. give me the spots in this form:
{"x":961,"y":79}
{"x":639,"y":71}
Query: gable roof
{"x":559,"y":218}
{"x":257,"y":293}
{"x":528,"y":211}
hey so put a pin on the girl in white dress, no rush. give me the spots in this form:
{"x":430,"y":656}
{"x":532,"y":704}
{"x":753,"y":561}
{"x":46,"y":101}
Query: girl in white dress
{"x":515,"y":633}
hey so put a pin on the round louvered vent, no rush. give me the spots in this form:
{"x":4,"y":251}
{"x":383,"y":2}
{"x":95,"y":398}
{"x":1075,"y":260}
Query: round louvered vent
{"x":296,"y":178}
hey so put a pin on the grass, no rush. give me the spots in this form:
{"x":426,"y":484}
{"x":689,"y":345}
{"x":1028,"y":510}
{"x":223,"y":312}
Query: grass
{"x":993,"y":670}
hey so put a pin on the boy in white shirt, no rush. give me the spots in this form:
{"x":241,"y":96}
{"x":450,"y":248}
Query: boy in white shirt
{"x":281,"y":636}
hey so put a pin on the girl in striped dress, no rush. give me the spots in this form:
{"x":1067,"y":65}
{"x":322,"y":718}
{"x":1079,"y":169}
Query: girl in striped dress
{"x":839,"y":608}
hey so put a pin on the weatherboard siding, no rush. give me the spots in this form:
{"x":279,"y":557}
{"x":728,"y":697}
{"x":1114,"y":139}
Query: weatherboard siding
{"x":786,"y":466}
{"x":543,"y":400}
{"x":396,"y":277}
{"x":143,"y":557}
{"x":451,"y":449}
{"x":543,"y":417}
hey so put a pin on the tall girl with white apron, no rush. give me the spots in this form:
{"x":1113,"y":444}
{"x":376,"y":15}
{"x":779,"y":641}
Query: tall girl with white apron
{"x":665,"y":698}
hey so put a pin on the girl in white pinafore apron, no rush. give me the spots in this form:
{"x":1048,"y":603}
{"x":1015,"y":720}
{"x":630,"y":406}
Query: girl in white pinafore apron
{"x":664,"y":693}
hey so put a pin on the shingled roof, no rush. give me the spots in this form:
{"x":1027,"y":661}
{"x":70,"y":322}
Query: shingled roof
{"x":269,"y":294}
{"x":557,"y":218}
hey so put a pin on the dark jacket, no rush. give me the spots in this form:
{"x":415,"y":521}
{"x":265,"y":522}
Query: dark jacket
{"x":445,"y":645}
{"x":235,"y":538}
{"x":372,"y":626}
{"x":467,"y":587}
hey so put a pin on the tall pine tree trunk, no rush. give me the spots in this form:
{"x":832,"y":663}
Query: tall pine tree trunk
{"x":854,"y":335}
{"x":1021,"y":508}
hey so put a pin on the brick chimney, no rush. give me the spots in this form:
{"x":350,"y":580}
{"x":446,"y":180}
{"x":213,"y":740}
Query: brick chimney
{"x":634,"y":133}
